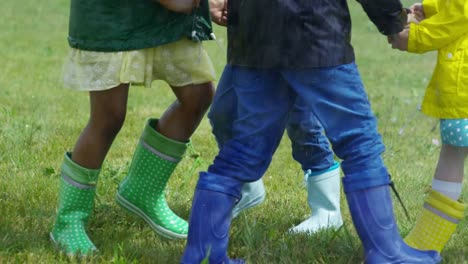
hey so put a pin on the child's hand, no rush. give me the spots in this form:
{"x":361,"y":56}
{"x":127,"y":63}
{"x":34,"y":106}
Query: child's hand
{"x":400,"y":40}
{"x":417,"y":11}
{"x":412,"y":19}
{"x":218,"y":10}
{"x":180,"y":6}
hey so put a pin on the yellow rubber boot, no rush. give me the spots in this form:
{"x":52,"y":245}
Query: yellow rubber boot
{"x":437,"y":222}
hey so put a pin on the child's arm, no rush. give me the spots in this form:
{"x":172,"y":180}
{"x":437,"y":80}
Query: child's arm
{"x":444,"y":27}
{"x":388,"y":15}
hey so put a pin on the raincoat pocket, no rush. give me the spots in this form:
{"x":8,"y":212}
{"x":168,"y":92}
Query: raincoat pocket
{"x":447,"y":71}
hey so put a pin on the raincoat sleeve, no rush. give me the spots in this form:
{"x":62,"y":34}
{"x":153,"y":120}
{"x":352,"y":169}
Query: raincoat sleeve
{"x":438,"y":31}
{"x":387,"y":15}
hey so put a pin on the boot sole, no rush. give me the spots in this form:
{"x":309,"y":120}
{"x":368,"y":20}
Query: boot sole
{"x":56,"y":245}
{"x":255,"y":201}
{"x":124,"y":203}
{"x":71,"y":255}
{"x":314,"y":230}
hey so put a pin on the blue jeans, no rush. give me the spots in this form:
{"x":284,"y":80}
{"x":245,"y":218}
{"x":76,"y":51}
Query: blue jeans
{"x":250,"y":132}
{"x":310,"y":147}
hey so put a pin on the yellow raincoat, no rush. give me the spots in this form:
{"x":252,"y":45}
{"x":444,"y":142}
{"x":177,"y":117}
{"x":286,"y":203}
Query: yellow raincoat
{"x":445,"y":29}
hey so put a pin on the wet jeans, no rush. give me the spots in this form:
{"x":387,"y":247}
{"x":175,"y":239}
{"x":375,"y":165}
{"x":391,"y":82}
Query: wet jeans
{"x":252,"y":108}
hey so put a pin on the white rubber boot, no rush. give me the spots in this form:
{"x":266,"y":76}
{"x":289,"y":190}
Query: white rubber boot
{"x":323,"y":197}
{"x":253,"y":193}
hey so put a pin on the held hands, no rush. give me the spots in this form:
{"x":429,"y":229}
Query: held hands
{"x":180,"y":6}
{"x":417,"y":11}
{"x":400,"y":40}
{"x":218,"y":10}
{"x":415,"y":15}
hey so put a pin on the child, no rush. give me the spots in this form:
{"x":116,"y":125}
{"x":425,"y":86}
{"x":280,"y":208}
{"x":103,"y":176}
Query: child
{"x":310,"y":148}
{"x":308,"y":55}
{"x":115,"y":44}
{"x":443,"y":27}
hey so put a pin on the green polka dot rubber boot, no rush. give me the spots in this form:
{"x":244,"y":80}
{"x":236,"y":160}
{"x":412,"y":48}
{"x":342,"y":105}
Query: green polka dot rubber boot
{"x":142,"y":191}
{"x":75,"y":204}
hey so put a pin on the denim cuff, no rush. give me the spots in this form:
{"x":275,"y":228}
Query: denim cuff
{"x":219,"y":183}
{"x":365,"y":180}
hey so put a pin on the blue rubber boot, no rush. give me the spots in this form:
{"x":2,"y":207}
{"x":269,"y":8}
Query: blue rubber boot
{"x":372,"y":213}
{"x":209,"y":224}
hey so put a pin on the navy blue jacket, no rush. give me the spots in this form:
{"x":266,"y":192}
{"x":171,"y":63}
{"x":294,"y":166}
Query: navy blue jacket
{"x":298,"y":34}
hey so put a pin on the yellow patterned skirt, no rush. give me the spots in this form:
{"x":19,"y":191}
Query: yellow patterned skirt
{"x":179,"y":64}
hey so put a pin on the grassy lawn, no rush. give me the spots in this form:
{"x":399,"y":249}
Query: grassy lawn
{"x":39,"y":121}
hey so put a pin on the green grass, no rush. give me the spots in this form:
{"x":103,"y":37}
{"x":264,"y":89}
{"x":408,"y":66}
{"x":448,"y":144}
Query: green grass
{"x":39,"y":121}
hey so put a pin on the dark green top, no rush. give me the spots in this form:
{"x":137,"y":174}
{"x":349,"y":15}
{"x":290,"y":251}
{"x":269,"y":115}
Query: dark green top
{"x":120,"y":25}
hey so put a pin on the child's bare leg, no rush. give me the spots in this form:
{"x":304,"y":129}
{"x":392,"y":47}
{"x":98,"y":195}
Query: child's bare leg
{"x":451,"y":163}
{"x":108,"y":110}
{"x":79,"y":176}
{"x":181,"y":119}
{"x":442,"y":211}
{"x":161,"y":146}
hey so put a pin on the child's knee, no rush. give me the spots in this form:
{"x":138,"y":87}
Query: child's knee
{"x":111,"y":121}
{"x":198,"y":97}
